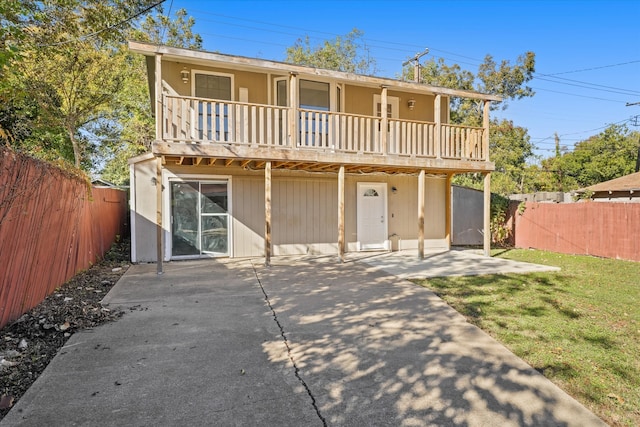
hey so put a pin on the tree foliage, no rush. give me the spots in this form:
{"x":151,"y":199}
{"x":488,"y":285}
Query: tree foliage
{"x":507,"y":80}
{"x":162,"y":29}
{"x":602,"y":157}
{"x":346,"y":53}
{"x":510,"y":145}
{"x":70,"y":88}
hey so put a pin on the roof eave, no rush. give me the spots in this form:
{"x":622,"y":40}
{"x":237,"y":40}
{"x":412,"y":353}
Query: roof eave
{"x":182,"y":54}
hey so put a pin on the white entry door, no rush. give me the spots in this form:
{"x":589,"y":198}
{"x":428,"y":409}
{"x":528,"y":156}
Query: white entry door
{"x":372,"y":215}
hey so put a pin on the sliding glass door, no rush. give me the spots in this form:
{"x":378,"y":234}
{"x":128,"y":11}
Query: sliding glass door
{"x":199,"y":218}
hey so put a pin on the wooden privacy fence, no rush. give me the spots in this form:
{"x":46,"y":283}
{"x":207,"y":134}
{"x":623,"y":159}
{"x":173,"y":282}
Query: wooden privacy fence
{"x":610,"y":230}
{"x":52,"y":225}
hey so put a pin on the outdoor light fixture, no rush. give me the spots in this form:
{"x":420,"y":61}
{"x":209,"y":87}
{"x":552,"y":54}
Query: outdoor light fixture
{"x":411,"y":103}
{"x":185,"y":75}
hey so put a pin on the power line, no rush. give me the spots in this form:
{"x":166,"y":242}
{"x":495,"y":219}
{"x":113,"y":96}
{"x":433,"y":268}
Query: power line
{"x":584,"y":85}
{"x":575,"y":94}
{"x":590,"y":84}
{"x":407,"y":48}
{"x":594,"y":68}
{"x":581,"y":132}
{"x":164,"y":29}
{"x":110,"y":27}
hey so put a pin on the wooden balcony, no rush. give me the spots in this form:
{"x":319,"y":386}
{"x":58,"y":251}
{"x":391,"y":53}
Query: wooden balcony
{"x":199,"y":128}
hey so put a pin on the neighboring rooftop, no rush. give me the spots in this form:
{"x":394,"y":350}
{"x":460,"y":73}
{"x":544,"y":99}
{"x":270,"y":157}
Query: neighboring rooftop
{"x":627,"y":183}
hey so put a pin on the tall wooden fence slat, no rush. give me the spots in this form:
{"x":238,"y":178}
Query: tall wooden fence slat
{"x":604,"y":229}
{"x":51,"y":228}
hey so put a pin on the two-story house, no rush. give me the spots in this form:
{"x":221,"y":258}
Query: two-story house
{"x":259,"y":158}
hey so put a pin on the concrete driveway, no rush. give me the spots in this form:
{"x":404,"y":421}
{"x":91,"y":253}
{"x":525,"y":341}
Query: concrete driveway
{"x":305,"y":342}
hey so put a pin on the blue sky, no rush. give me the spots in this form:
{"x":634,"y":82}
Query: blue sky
{"x":587,"y":52}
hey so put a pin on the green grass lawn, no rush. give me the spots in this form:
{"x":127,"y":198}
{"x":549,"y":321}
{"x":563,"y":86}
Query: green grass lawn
{"x":580,"y":327}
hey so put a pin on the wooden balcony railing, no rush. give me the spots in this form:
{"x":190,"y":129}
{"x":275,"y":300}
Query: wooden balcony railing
{"x":205,"y":121}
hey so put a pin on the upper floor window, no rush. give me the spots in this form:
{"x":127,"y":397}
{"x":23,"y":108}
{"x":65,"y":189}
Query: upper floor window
{"x":314,"y":95}
{"x":213,"y":86}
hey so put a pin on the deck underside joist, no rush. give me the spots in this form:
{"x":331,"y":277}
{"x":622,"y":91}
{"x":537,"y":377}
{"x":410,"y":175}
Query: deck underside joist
{"x":311,"y":161}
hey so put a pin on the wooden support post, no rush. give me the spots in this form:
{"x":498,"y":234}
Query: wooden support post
{"x":158,"y":90}
{"x":421,"y":192}
{"x":267,"y":214}
{"x":447,"y":210}
{"x":485,"y":133}
{"x":341,"y":213}
{"x":487,"y":215}
{"x":159,"y":253}
{"x":437,"y":132}
{"x":293,"y":110}
{"x":384,"y":121}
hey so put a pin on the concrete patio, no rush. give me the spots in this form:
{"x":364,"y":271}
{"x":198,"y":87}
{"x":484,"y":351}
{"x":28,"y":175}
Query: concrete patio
{"x":307,"y":341}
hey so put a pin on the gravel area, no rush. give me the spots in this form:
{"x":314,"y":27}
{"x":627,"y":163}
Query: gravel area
{"x":28,"y":344}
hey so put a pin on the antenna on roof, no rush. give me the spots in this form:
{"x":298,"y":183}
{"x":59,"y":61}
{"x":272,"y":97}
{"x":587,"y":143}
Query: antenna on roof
{"x":416,"y":64}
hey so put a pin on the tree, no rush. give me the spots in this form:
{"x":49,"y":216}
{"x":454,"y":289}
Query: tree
{"x":510,"y":145}
{"x":78,"y":94}
{"x":76,"y":85}
{"x":133,"y":113}
{"x":162,"y":29}
{"x":510,"y":149}
{"x":69,"y":67}
{"x":506,"y":80}
{"x":346,"y":53}
{"x":602,"y":157}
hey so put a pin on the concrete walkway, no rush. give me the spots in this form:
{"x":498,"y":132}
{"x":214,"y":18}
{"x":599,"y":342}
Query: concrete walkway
{"x":457,"y":262}
{"x":305,"y":342}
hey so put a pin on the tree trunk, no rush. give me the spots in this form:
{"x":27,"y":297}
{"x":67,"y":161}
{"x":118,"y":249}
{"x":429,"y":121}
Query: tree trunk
{"x":77,"y":154}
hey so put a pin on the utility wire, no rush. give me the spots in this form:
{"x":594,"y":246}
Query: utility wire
{"x":110,"y":27}
{"x":164,"y":29}
{"x":594,"y":68}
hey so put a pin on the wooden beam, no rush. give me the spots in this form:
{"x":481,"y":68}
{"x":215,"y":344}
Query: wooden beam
{"x":421,"y":192}
{"x":485,"y":133}
{"x":293,"y":108}
{"x":259,"y":164}
{"x":487,"y":215}
{"x":385,"y":120}
{"x":267,"y":214}
{"x":159,"y":246}
{"x":447,"y":210}
{"x":242,"y":152}
{"x":212,"y":161}
{"x":437,"y":133}
{"x":244,"y":163}
{"x":341,"y":241}
{"x":180,"y":160}
{"x":228,"y":162}
{"x":158,"y":90}
{"x":198,"y":160}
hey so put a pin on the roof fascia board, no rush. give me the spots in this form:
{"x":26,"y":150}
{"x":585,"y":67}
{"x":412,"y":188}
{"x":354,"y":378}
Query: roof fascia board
{"x":183,"y":55}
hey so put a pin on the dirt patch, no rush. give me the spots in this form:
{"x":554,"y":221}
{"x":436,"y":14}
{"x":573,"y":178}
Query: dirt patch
{"x":28,"y":344}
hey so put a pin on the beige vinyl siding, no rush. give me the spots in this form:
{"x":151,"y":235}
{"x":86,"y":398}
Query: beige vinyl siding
{"x":402,"y":211}
{"x":304,"y":215}
{"x":144,"y":211}
{"x":359,"y":100}
{"x":248,"y":216}
{"x":256,"y":83}
{"x":435,"y":212}
{"x":304,"y":210}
